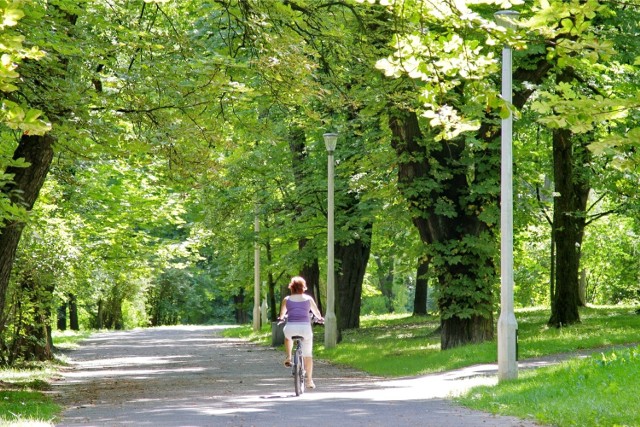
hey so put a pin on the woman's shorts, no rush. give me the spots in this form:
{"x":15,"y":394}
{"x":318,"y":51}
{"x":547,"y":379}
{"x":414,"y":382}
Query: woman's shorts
{"x":304,"y":330}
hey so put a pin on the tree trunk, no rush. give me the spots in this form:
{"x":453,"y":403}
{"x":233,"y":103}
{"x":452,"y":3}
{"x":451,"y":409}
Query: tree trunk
{"x":271,"y":297}
{"x":62,"y":317}
{"x":569,"y":210}
{"x":99,"y":321}
{"x":74,"y":324}
{"x":270,"y":283}
{"x":457,"y":331}
{"x":422,"y":288}
{"x":552,"y":269}
{"x":310,"y":268}
{"x":352,"y":259}
{"x":465,"y":275}
{"x":240,"y":312}
{"x":311,"y":274}
{"x":24,"y":189}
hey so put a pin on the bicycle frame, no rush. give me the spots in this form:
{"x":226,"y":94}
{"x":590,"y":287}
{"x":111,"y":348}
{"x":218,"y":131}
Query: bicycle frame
{"x":298,"y":370}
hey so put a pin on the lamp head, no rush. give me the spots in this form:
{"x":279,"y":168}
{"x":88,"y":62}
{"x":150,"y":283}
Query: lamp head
{"x":330,"y":140}
{"x":507,"y":18}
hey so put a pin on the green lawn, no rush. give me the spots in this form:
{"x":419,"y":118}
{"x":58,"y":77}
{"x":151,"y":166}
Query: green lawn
{"x":22,"y":397}
{"x":397,"y":345}
{"x":23,"y":401}
{"x":599,"y":391}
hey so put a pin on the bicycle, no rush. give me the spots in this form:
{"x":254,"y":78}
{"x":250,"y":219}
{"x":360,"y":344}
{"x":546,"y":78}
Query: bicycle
{"x":298,"y":371}
{"x":297,"y":367}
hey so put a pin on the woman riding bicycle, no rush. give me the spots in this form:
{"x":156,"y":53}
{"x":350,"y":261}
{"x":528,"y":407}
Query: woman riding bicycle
{"x":297,"y":308}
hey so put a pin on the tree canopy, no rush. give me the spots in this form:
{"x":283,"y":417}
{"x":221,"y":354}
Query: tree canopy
{"x":140,"y":139}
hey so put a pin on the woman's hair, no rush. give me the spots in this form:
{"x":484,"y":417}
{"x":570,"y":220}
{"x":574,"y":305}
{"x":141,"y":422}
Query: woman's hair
{"x":297,"y":285}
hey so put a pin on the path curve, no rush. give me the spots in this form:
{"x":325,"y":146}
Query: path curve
{"x":192,"y":376}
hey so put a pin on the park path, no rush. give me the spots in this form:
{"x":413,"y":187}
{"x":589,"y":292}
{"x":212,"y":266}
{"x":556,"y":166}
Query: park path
{"x":192,"y":376}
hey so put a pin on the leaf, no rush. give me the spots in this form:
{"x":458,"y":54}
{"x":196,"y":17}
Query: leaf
{"x":10,"y":17}
{"x":33,"y":125}
{"x":505,"y":112}
{"x":29,"y":122}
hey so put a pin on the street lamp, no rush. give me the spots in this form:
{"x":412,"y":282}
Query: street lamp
{"x":330,"y":321}
{"x":256,"y":272}
{"x":507,"y":324}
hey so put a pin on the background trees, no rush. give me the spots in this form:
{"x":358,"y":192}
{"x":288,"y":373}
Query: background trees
{"x":173,"y":124}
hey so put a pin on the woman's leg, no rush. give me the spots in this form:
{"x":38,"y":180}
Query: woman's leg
{"x":288,"y":346}
{"x":308,"y":366}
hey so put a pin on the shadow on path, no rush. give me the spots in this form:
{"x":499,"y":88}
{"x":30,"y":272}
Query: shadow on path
{"x":192,"y":376}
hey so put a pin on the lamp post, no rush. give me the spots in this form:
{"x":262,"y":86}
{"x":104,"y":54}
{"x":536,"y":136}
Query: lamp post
{"x":256,"y":272}
{"x":330,"y":321}
{"x":507,"y":324}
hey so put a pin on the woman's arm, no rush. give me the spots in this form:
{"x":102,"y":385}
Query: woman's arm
{"x":283,"y":308}
{"x":314,"y":310}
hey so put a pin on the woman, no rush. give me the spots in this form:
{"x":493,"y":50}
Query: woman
{"x":296,"y":307}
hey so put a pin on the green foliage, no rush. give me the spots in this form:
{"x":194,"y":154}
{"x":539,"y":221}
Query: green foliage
{"x":50,"y":258}
{"x":611,"y":279}
{"x":593,"y":44}
{"x":16,"y":116}
{"x":23,"y":336}
{"x":601,"y":390}
{"x":175,"y":121}
{"x":186,"y":296}
{"x":13,"y":113}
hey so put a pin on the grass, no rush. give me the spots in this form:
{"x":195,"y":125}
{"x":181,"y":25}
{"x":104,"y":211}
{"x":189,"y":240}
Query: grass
{"x":599,"y":391}
{"x":69,"y":340}
{"x":404,"y":345}
{"x":23,"y":398}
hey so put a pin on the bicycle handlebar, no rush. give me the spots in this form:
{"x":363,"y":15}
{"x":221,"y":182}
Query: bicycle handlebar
{"x":314,"y":320}
{"x":317,"y":321}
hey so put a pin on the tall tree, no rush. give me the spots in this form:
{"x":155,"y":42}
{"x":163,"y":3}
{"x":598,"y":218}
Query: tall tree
{"x":308,"y":55}
{"x":37,"y":149}
{"x":448,"y":174}
{"x":106,"y":89}
{"x":581,"y":102}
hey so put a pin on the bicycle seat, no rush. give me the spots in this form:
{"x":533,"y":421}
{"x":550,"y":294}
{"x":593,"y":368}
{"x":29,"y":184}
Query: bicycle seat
{"x":297,"y":337}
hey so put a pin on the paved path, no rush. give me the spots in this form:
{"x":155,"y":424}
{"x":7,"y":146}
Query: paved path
{"x":192,"y":376}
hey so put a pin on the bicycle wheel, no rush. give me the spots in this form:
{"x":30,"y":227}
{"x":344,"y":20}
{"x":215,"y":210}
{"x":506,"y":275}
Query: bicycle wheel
{"x":299,"y":374}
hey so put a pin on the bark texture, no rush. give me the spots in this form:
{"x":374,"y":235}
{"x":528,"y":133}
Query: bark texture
{"x":37,"y":150}
{"x":352,"y":259}
{"x":569,"y":221}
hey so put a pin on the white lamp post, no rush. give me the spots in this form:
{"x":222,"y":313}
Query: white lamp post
{"x":256,"y":273}
{"x":507,"y":324}
{"x":330,"y":321}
